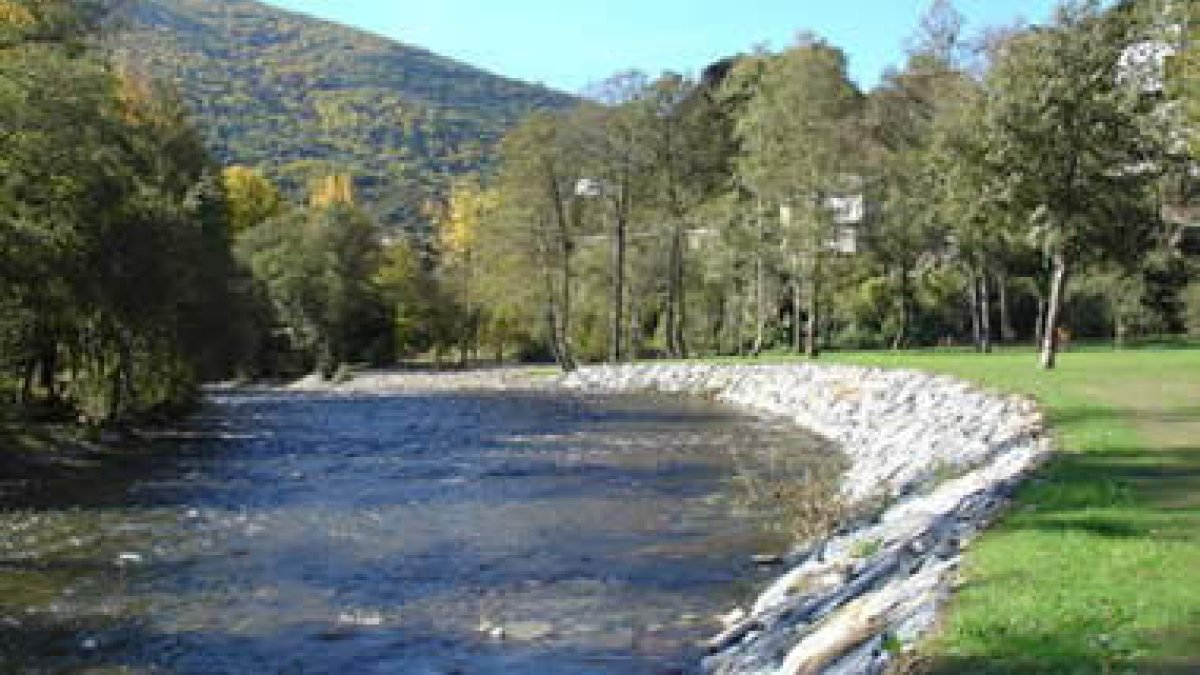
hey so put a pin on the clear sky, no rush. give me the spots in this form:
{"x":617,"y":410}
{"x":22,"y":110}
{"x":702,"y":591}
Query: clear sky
{"x":569,"y":44}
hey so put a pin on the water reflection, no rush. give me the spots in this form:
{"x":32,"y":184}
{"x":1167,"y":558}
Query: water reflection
{"x":450,"y":533}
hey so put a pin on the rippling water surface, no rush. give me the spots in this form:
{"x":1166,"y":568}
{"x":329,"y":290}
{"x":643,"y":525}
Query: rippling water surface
{"x":392,"y":535}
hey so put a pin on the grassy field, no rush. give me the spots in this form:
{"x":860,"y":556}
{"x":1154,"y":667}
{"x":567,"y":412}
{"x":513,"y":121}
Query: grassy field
{"x":1097,"y":567}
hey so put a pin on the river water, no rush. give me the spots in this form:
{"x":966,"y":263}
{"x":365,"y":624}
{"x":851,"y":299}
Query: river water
{"x":325,"y":534}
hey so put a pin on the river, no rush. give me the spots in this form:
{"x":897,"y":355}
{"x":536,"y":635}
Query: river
{"x":504,"y":532}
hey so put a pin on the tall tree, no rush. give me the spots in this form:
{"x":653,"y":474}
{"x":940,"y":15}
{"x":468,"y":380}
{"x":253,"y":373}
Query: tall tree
{"x":798,"y":135}
{"x":1062,"y":126}
{"x":537,"y":184}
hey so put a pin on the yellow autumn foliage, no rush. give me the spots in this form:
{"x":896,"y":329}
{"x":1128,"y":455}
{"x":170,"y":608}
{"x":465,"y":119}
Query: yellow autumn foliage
{"x":15,"y":14}
{"x":470,"y":206}
{"x":331,"y":191}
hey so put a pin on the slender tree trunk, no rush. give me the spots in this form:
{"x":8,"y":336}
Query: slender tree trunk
{"x":617,"y":327}
{"x":985,"y":312}
{"x":812,"y":346}
{"x":555,"y":344}
{"x":760,"y":286}
{"x":1039,"y":329}
{"x":674,"y":348}
{"x":901,"y":337}
{"x":1008,"y":334}
{"x":681,"y":313}
{"x":737,"y":323}
{"x":561,"y":333}
{"x":566,"y":355}
{"x":976,"y":325}
{"x":798,"y":345}
{"x":1058,"y":290}
{"x":634,"y":348}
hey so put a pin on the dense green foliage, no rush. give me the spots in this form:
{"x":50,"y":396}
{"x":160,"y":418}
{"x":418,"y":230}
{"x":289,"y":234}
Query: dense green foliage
{"x":317,"y":266}
{"x":300,"y":98}
{"x":115,"y":261}
{"x":1018,"y":187}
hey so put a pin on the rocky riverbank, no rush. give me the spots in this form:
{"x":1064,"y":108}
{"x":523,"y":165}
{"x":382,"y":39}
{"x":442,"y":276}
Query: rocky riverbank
{"x":943,"y":455}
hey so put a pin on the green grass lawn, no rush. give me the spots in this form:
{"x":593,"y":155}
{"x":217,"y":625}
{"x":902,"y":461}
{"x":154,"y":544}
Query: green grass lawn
{"x":1097,"y":567}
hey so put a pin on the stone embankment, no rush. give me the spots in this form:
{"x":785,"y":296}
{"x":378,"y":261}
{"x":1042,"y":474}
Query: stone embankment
{"x":943,"y":457}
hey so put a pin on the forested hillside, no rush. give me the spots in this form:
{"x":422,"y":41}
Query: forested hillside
{"x":301,"y":98}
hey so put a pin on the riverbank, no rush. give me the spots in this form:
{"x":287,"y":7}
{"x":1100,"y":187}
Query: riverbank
{"x":942,"y":456}
{"x":386,"y":382}
{"x":1095,"y":568}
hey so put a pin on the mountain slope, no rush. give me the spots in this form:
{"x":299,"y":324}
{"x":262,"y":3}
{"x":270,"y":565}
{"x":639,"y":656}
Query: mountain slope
{"x":299,"y":97}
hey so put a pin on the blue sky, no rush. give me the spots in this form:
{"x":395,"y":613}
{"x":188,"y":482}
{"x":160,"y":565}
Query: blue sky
{"x":568,"y":44}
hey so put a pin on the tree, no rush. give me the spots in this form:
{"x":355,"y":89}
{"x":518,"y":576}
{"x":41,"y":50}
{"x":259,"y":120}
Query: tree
{"x":1062,"y":129}
{"x":691,"y":151}
{"x":798,"y":139}
{"x":903,"y":114}
{"x":615,"y":153}
{"x":470,"y":209}
{"x":252,"y":197}
{"x":538,"y":213}
{"x":320,"y":268}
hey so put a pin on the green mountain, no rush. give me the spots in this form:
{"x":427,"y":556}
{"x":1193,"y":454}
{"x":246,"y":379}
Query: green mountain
{"x":298,"y":98}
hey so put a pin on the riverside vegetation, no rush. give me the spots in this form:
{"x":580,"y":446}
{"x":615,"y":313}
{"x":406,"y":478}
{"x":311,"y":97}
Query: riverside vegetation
{"x":768,"y":204}
{"x":1029,"y":184}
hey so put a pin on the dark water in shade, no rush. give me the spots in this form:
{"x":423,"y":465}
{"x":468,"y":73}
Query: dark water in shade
{"x":380,"y":535}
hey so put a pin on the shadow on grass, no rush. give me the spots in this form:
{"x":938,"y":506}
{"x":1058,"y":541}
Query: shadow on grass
{"x":1125,"y":493}
{"x":1129,"y":515}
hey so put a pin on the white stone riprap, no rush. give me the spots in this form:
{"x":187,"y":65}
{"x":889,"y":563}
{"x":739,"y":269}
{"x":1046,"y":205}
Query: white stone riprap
{"x":945,"y":456}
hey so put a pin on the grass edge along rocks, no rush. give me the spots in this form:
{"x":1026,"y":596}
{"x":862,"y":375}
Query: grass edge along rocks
{"x":944,"y":455}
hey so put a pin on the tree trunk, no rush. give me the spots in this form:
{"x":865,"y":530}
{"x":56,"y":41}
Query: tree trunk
{"x":634,"y":344}
{"x":1039,"y":329}
{"x":741,"y":337}
{"x":562,"y":334}
{"x":555,"y":345}
{"x":681,"y":341}
{"x":901,"y":337}
{"x":976,"y":326}
{"x":1120,"y":326}
{"x":812,"y":347}
{"x":674,"y":293}
{"x":1058,"y":289}
{"x":798,"y":345}
{"x":617,"y":327}
{"x":985,"y":312}
{"x":760,"y":285}
{"x":1008,"y":334}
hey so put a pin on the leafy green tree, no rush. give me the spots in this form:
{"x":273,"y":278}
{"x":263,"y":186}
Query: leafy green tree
{"x":252,"y":197}
{"x":799,"y":135}
{"x":320,"y":268}
{"x":1062,"y":129}
{"x":538,"y":225}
